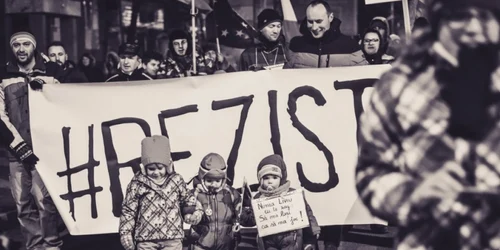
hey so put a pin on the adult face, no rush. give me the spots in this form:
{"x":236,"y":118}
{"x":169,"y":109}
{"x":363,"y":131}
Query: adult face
{"x":152,"y":67}
{"x":318,"y":20}
{"x":371,"y":43}
{"x":272,"y":31}
{"x":180,"y":46}
{"x":470,"y":27}
{"x":86,"y":61}
{"x":57,"y":54}
{"x":211,"y":55}
{"x":129,"y":63}
{"x":24,"y":52}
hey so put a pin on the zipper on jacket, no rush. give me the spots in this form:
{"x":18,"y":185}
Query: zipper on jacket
{"x":216,"y":213}
{"x":319,"y":55}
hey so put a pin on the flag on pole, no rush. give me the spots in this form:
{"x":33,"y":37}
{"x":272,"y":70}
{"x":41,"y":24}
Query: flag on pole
{"x":290,"y":24}
{"x":232,"y":30}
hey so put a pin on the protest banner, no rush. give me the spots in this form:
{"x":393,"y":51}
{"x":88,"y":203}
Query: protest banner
{"x":88,"y":136}
{"x":280,"y":214}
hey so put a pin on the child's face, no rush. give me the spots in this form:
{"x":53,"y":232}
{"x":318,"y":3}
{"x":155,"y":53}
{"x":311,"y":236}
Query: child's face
{"x":270,"y":182}
{"x":156,"y":171}
{"x":213,"y":184}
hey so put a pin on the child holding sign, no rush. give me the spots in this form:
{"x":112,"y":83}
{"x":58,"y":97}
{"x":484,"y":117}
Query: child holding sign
{"x":151,"y":212}
{"x":220,"y":205}
{"x":272,"y":176}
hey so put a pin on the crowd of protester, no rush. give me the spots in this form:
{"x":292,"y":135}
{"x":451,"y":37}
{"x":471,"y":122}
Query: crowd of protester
{"x":321,"y":44}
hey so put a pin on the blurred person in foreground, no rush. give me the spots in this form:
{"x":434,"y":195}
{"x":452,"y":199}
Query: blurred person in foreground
{"x":430,"y":136}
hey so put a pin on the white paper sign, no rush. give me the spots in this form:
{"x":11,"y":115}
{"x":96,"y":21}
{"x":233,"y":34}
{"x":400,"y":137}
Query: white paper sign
{"x":280,"y":214}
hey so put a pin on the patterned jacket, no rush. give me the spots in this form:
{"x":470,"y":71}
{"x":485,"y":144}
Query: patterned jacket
{"x":152,"y":212}
{"x":404,"y":139}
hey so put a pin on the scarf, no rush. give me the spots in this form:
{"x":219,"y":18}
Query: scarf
{"x":281,"y":189}
{"x":467,"y":91}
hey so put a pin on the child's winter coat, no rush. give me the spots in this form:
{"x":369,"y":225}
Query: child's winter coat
{"x":215,"y":231}
{"x":292,"y":240}
{"x":220,"y":207}
{"x":155,"y":212}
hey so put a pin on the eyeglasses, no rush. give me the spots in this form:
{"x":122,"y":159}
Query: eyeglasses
{"x":371,"y":40}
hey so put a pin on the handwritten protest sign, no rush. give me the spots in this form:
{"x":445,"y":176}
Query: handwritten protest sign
{"x":280,"y":214}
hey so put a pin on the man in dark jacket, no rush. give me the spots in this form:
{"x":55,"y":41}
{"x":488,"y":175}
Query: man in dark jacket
{"x":321,"y":44}
{"x":37,"y":213}
{"x":57,"y":53}
{"x":129,"y":65}
{"x":270,"y":52}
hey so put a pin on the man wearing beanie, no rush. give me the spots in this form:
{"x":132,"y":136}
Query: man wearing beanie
{"x":37,"y":213}
{"x":180,"y":56}
{"x":321,"y":45}
{"x":130,"y":59}
{"x":156,"y":198}
{"x":220,"y":203}
{"x":270,"y":52}
{"x":429,"y":140}
{"x":272,"y":176}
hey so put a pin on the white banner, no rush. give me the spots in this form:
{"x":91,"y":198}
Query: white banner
{"x":88,"y":136}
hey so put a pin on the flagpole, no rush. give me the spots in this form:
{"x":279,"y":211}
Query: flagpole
{"x":212,"y":3}
{"x":193,"y":33}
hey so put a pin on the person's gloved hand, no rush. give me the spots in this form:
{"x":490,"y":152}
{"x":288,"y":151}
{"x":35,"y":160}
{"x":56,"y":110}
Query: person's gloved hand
{"x":25,"y":154}
{"x":195,"y":218}
{"x":37,"y":84}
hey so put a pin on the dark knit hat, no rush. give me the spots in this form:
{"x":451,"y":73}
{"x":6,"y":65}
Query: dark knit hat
{"x":156,"y":149}
{"x":213,"y":166}
{"x":268,"y":16}
{"x":273,"y":164}
{"x":437,"y":9}
{"x":209,"y":46}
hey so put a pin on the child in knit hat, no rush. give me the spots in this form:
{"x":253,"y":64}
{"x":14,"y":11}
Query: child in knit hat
{"x":272,"y":176}
{"x":155,"y":200}
{"x":220,"y":204}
